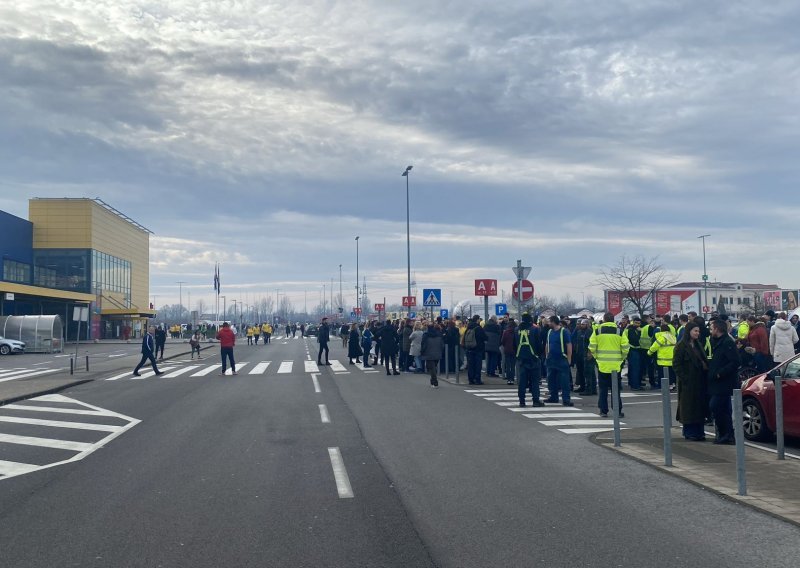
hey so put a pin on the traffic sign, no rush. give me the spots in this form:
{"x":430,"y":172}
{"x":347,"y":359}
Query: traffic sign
{"x":432,"y":297}
{"x":525,"y":270}
{"x":527,"y":290}
{"x":393,"y":315}
{"x":357,"y":311}
{"x":444,"y":314}
{"x":409,"y":301}
{"x":352,"y":314}
{"x":706,"y":309}
{"x":705,"y":277}
{"x":500,"y":309}
{"x":379,"y":307}
{"x":412,"y":315}
{"x":485,"y":287}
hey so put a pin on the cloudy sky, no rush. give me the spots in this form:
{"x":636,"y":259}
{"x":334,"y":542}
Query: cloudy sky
{"x":266,"y":135}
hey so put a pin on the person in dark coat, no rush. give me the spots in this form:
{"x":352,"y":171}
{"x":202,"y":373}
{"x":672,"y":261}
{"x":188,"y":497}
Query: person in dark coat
{"x":451,"y":337}
{"x":474,"y":343}
{"x":389,"y":346}
{"x":405,"y":331}
{"x":324,"y":336}
{"x":148,"y":352}
{"x":354,"y":345}
{"x":722,"y":378}
{"x":691,"y":368}
{"x":161,"y":340}
{"x":509,"y":349}
{"x":492,"y":330}
{"x":431,"y":352}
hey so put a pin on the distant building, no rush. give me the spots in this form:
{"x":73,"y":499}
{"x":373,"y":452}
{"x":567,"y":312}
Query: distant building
{"x":74,"y":252}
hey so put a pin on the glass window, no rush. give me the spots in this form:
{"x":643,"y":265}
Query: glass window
{"x":792,"y":370}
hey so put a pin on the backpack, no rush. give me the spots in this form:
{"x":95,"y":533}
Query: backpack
{"x":469,"y":339}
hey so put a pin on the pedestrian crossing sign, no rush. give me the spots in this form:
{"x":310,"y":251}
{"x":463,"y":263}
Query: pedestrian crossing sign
{"x":432,"y":296}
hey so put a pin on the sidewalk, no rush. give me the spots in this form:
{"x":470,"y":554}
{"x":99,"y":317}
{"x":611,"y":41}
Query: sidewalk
{"x":21,"y":389}
{"x":771,"y":484}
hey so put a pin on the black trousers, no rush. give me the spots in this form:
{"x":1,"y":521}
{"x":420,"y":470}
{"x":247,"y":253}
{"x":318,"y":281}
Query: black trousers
{"x":323,"y":346}
{"x":160,"y":348}
{"x":145,"y":356}
{"x":393,"y":358}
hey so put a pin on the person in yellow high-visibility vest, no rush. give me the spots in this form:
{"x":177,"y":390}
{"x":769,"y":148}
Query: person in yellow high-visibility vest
{"x":663,"y":347}
{"x":609,"y":349}
{"x":249,"y":334}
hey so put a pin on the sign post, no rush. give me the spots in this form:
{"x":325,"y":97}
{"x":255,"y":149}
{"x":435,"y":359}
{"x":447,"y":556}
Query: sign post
{"x":521,"y":272}
{"x":432,"y":298}
{"x":79,"y":314}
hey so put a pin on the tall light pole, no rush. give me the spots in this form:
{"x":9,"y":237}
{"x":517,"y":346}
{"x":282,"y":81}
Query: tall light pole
{"x":408,"y":229}
{"x":180,"y":283}
{"x":224,"y":306}
{"x":277,"y":303}
{"x":358,"y":300}
{"x":341,"y":304}
{"x":705,"y":276}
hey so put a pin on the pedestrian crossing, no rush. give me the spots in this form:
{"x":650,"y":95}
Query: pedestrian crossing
{"x":566,"y":419}
{"x":17,"y":373}
{"x":192,"y":369}
{"x":53,"y":430}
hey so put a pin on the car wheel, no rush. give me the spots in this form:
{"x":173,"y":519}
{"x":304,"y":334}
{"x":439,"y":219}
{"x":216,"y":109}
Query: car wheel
{"x":5,"y":349}
{"x":755,"y":424}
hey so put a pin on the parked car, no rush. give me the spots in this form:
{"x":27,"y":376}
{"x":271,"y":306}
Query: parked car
{"x":758,"y":402}
{"x":312,"y":330}
{"x":8,"y":346}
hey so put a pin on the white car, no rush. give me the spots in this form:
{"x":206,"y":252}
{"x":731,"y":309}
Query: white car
{"x":8,"y":346}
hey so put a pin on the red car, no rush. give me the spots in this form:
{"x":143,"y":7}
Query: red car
{"x":758,"y":402}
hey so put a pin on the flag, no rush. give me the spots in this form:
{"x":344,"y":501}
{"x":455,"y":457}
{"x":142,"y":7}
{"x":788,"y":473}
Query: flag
{"x":216,"y":279}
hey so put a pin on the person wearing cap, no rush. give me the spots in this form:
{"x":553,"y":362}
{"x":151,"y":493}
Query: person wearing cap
{"x":527,"y":344}
{"x":558,"y":359}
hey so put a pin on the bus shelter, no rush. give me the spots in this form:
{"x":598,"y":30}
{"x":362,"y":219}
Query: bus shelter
{"x":41,"y":334}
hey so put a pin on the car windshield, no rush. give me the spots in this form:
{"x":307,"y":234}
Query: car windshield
{"x":792,"y":370}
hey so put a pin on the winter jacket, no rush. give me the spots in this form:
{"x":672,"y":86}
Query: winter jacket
{"x":324,"y":333}
{"x":722,"y":371}
{"x":226,"y":337}
{"x":415,"y":341}
{"x":353,"y":347}
{"x":507,"y":341}
{"x":432,"y":345}
{"x":480,"y":336}
{"x":492,"y":331}
{"x":782,"y":340}
{"x":689,"y":362}
{"x":757,"y":338}
{"x":407,"y":331}
{"x":389,"y":340}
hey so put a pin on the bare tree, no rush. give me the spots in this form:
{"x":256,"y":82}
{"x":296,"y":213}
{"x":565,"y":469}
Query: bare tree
{"x":636,"y":280}
{"x":591,"y":303}
{"x":566,"y":305}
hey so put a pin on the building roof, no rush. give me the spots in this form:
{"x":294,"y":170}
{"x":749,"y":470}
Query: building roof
{"x":721,"y":285}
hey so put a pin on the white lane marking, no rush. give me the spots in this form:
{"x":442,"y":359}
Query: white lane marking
{"x":16,"y":468}
{"x":26,"y":375}
{"x":337,"y":367}
{"x":61,"y":424}
{"x":181,"y":371}
{"x":13,"y":371}
{"x":343,"y":486}
{"x":490,"y":392}
{"x":53,"y":398}
{"x":574,"y":422}
{"x":552,"y":408}
{"x":636,"y":394}
{"x":316,"y":383}
{"x":208,"y":370}
{"x":323,"y":414}
{"x":497,"y":398}
{"x":586,"y":430}
{"x":260,"y":368}
{"x":311,"y":366}
{"x":239,"y":366}
{"x":286,"y":367}
{"x":648,"y":402}
{"x":120,"y":376}
{"x":148,"y":374}
{"x":44,"y":442}
{"x":120,"y":355}
{"x":57,"y":410}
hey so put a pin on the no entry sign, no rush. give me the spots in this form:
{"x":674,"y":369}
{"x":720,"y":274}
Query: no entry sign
{"x":527,"y":290}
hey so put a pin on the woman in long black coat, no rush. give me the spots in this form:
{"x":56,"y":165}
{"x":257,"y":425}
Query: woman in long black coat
{"x":691,"y":368}
{"x":389,"y":346}
{"x":354,"y":344}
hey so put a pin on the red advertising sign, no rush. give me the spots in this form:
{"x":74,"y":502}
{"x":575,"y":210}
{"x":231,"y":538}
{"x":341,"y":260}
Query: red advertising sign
{"x":527,"y":290}
{"x":379,"y":307}
{"x":409,"y":301}
{"x":485,"y":287}
{"x":772,"y":300}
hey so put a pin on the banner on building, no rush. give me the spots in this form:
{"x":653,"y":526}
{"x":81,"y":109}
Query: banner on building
{"x":772,"y":300}
{"x":789,"y":300}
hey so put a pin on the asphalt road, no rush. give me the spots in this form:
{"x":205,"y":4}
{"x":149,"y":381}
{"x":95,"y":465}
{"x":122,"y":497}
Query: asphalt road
{"x":238,"y":471}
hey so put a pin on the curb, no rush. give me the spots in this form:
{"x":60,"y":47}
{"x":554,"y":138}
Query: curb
{"x":740,"y":500}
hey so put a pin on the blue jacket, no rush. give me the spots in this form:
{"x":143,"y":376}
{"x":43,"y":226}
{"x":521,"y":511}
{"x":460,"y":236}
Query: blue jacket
{"x":148,"y":344}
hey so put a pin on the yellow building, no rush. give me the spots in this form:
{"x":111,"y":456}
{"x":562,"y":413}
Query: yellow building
{"x":85,"y":245}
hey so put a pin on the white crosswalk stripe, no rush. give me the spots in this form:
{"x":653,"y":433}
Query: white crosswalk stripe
{"x":337,"y":367}
{"x":17,"y":374}
{"x":286,"y":367}
{"x":207,"y":371}
{"x":260,"y":368}
{"x":181,"y":371}
{"x":311,"y":366}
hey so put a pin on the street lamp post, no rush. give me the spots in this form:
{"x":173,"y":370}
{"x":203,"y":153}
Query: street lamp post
{"x":408,"y":229}
{"x":180,"y":283}
{"x":341,"y":304}
{"x":705,"y":276}
{"x":224,"y":308}
{"x":358,"y":300}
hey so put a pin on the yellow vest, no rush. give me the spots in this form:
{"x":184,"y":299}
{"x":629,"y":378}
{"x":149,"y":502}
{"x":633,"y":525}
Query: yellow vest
{"x":646,"y":341}
{"x":664,"y":345}
{"x":608,"y":349}
{"x":743,"y":331}
{"x":249,"y":332}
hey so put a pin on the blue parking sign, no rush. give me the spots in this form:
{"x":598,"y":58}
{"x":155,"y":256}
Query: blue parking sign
{"x":500,"y":309}
{"x":444,"y":314}
{"x":412,"y":315}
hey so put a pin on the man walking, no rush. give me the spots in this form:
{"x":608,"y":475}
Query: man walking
{"x":609,"y":350}
{"x":148,"y":352}
{"x":324,"y":337}
{"x":227,"y":339}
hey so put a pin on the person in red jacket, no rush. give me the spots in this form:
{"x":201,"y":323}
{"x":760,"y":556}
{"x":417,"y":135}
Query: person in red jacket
{"x":759,"y":340}
{"x":227,"y":339}
{"x":507,"y":344}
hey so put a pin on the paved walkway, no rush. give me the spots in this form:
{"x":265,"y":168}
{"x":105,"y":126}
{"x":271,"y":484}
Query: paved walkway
{"x":771,"y":484}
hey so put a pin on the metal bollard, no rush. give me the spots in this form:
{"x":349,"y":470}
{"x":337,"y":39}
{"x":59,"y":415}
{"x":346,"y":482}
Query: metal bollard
{"x":738,"y":429}
{"x":71,"y":365}
{"x":779,"y":417}
{"x":87,"y":361}
{"x":447,"y":361}
{"x":615,"y":400}
{"x":458,"y":364}
{"x":667,"y":411}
